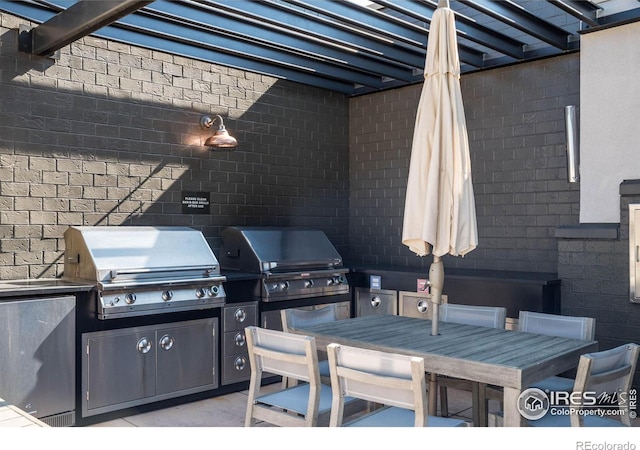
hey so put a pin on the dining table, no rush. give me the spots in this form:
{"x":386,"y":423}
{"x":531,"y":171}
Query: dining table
{"x":510,"y":359}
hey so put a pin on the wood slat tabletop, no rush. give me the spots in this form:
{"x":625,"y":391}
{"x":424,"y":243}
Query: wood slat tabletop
{"x":506,"y":358}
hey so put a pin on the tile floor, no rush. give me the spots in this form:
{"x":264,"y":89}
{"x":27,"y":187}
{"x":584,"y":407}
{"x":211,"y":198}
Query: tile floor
{"x":228,"y":411}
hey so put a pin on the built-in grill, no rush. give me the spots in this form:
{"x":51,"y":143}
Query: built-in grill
{"x":144,"y":270}
{"x":298,"y":267}
{"x":153,"y":315}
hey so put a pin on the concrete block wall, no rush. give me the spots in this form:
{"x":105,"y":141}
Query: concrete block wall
{"x":109,"y":135}
{"x":595,"y":283}
{"x":515,"y":120}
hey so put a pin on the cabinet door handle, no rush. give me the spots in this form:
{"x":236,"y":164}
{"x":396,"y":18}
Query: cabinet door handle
{"x":240,"y":363}
{"x":240,"y":315}
{"x":239,"y":339}
{"x":144,"y":345}
{"x":166,"y":342}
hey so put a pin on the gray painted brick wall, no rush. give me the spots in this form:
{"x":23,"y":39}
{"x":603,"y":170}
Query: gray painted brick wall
{"x":515,"y":120}
{"x":110,"y":135}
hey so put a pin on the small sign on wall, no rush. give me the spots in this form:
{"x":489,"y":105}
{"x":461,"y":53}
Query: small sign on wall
{"x":195,"y":202}
{"x":375,"y":282}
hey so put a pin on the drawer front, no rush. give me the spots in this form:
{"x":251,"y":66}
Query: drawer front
{"x":376,"y":301}
{"x":417,"y":304}
{"x":236,"y":368}
{"x":234,"y":343}
{"x":238,"y":316}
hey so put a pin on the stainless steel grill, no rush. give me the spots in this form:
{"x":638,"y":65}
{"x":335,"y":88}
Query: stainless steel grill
{"x":144,"y":270}
{"x":294,"y":263}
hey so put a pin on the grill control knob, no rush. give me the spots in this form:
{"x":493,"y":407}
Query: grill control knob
{"x":213,"y":291}
{"x":167,"y":295}
{"x":330,"y":281}
{"x":200,"y":292}
{"x":130,"y":298}
{"x":284,"y":285}
{"x":341,"y":279}
{"x":308,"y":283}
{"x":375,"y":301}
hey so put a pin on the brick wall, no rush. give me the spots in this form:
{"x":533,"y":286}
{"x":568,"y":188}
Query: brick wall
{"x":515,"y":120}
{"x":109,"y":135}
{"x":595,"y":283}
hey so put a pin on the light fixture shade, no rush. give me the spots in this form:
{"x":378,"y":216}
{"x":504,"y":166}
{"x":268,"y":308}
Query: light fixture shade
{"x":221,"y":139}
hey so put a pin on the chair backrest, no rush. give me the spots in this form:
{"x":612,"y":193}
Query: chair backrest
{"x":290,"y":355}
{"x":385,"y":378}
{"x":299,"y":318}
{"x":607,"y":372}
{"x":556,"y":325}
{"x":483,"y":316}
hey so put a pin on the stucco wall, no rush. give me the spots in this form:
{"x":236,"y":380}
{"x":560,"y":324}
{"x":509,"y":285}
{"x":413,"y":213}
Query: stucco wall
{"x":609,"y":136}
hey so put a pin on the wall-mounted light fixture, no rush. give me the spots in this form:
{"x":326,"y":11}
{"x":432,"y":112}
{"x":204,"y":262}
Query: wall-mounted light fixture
{"x":220,"y":140}
{"x":573,"y":146}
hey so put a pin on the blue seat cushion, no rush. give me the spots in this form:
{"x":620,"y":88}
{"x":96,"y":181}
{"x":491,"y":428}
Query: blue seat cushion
{"x":296,"y":398}
{"x":399,"y":417}
{"x":556,"y":384}
{"x":323,"y":365}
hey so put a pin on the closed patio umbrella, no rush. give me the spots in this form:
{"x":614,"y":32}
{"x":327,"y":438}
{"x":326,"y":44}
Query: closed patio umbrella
{"x":439,"y":214}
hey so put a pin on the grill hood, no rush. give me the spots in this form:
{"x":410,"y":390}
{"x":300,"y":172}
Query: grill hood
{"x":276,"y":250}
{"x":117,"y":255}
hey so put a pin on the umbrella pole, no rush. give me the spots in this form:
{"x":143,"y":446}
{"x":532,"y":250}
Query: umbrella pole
{"x":436,"y":281}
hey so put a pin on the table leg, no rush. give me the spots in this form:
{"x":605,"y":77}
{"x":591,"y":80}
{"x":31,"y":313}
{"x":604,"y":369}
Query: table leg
{"x":433,"y":394}
{"x":512,"y":417}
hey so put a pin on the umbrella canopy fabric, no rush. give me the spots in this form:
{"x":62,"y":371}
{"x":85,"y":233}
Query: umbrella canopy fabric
{"x":440,"y":215}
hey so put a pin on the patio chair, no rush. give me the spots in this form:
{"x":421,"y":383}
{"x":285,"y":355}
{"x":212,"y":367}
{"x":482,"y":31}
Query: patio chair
{"x":289,"y":355}
{"x":608,"y":375}
{"x":395,"y":381}
{"x":299,"y":318}
{"x":574,"y":327}
{"x":484,"y":316}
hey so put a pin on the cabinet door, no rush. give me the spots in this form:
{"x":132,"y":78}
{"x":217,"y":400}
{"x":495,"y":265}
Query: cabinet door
{"x":118,"y":368}
{"x":186,"y":356}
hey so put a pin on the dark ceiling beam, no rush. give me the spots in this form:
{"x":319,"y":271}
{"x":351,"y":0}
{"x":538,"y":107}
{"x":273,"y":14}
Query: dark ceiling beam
{"x":383,"y":24}
{"x":465,"y":27}
{"x":77,"y":21}
{"x":325,"y":29}
{"x":515,"y":16}
{"x":287,"y":38}
{"x":580,"y":9}
{"x":208,"y":36}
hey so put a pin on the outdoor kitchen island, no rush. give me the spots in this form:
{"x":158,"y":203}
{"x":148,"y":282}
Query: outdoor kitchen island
{"x":516,"y":291}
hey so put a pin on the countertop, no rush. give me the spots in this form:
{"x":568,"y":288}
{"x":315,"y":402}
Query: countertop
{"x":40,"y":287}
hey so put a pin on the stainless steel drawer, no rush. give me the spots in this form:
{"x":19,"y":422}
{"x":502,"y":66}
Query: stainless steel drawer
{"x":238,"y":316}
{"x":416,"y":304}
{"x":376,"y":301}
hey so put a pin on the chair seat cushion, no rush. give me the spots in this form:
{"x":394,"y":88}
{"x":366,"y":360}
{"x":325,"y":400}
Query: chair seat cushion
{"x":323,"y":365}
{"x":555,"y":384}
{"x":399,"y":417}
{"x":296,"y":398}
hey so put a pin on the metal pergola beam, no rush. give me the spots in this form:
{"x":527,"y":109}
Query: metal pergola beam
{"x":584,"y":11}
{"x":465,"y":27}
{"x":517,"y":17}
{"x":382,"y":24}
{"x":75,"y":22}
